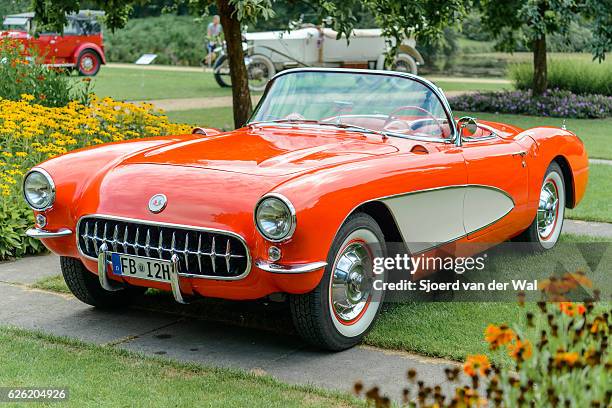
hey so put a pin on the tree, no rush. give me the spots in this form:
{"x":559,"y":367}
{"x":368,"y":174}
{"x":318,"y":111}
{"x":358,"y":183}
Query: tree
{"x":530,"y":21}
{"x":423,"y":19}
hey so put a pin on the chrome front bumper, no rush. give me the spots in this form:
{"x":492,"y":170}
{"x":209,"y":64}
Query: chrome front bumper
{"x":111,"y":286}
{"x":289,"y":269}
{"x":41,"y":233}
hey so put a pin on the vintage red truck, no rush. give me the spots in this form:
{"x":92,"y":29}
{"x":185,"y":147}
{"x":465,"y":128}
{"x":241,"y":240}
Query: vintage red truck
{"x":80,"y":47}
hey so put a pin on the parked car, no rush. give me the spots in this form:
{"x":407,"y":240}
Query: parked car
{"x":273,"y":51}
{"x":80,"y":47}
{"x":334,"y":167}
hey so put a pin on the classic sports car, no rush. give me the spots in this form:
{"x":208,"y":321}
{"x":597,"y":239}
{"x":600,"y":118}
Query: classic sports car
{"x":334,"y":166}
{"x":80,"y":47}
{"x":270,"y":52}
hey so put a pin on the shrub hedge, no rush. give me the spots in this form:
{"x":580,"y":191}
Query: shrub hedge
{"x":577,"y":75}
{"x":555,"y":103}
{"x":177,"y":40}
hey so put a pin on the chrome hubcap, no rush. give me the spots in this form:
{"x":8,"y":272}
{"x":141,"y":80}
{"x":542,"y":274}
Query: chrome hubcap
{"x":351,"y":285}
{"x":547,"y":209}
{"x":87,"y":63}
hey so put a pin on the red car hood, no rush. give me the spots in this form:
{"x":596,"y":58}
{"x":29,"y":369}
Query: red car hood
{"x":271,"y":151}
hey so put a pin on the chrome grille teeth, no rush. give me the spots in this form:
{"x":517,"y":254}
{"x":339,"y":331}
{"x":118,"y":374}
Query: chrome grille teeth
{"x":200,"y":252}
{"x":147,"y":242}
{"x":186,"y":252}
{"x":136,"y":243}
{"x":115,"y":238}
{"x":213,"y":255}
{"x":228,"y":255}
{"x":85,"y":236}
{"x":160,"y":244}
{"x":95,"y":236}
{"x":126,"y":238}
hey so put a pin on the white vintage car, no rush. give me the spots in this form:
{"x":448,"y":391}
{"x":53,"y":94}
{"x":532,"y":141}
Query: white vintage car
{"x":312,"y":46}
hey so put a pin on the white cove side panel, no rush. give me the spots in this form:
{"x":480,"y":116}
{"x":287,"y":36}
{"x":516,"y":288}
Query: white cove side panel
{"x":429,"y":218}
{"x":483,"y":206}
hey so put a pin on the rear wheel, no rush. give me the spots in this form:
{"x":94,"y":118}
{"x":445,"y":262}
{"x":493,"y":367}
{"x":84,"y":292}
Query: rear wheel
{"x":85,"y":286}
{"x":88,"y":63}
{"x":544,"y":231}
{"x":260,"y":70}
{"x":341,"y":310}
{"x":404,"y":63}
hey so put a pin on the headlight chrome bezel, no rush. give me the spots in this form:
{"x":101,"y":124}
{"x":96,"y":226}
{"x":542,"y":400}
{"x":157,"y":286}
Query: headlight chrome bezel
{"x":293,"y":219}
{"x":49,"y":180}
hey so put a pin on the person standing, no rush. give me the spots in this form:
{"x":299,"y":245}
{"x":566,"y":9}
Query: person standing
{"x":213,"y":37}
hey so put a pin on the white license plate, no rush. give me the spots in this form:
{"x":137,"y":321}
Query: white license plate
{"x":141,"y":267}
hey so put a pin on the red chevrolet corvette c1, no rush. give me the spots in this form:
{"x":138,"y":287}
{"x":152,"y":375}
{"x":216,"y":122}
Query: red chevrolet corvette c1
{"x":333,"y":167}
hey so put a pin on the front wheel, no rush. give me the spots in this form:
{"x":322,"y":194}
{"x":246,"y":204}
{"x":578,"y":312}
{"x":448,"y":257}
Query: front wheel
{"x":341,"y":310}
{"x":88,"y":63}
{"x":544,"y":231}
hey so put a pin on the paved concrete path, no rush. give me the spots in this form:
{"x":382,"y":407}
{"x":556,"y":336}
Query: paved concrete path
{"x":601,"y":161}
{"x":180,"y":335}
{"x":595,"y":229}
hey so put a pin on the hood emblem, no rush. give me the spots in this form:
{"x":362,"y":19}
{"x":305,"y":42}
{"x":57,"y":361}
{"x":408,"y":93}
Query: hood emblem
{"x":157,"y":203}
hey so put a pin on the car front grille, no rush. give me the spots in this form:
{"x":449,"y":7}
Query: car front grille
{"x":207,"y":253}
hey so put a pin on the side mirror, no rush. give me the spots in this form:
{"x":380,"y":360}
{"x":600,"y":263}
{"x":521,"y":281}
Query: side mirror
{"x":467,"y":126}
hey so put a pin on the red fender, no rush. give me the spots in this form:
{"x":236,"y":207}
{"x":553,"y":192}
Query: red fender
{"x":92,"y":46}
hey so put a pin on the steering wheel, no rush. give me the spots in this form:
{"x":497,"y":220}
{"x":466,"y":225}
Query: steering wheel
{"x":391,"y":117}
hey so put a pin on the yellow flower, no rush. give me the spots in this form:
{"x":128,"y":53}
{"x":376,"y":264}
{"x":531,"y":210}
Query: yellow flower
{"x":27,"y":97}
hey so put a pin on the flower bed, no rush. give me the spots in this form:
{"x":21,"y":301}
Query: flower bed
{"x":31,"y":133}
{"x":554,"y":103}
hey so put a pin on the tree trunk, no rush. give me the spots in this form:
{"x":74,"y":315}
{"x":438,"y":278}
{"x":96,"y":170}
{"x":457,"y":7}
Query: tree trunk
{"x":540,"y":81}
{"x":241,"y":95}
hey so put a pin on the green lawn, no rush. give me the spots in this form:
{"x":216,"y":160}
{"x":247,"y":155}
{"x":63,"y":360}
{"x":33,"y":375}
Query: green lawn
{"x":136,"y":84}
{"x":597,"y":202}
{"x":106,"y":376}
{"x":220,"y":118}
{"x":596,"y":133}
{"x":452,"y":86}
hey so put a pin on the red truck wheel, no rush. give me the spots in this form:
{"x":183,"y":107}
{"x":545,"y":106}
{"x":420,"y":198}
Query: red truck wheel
{"x":88,"y":63}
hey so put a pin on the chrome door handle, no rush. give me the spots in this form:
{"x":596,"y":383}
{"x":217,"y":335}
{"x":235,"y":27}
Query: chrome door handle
{"x":521,"y":154}
{"x":52,"y":42}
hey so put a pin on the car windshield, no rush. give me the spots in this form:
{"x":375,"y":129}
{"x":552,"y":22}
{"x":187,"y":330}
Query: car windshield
{"x":15,"y":24}
{"x":391,"y":104}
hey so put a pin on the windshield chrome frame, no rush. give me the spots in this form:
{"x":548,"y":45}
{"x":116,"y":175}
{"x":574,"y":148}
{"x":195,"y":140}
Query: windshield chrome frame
{"x":431,"y":86}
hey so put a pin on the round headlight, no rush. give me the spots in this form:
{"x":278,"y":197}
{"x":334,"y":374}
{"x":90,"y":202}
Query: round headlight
{"x":39,"y":190}
{"x":275,"y":218}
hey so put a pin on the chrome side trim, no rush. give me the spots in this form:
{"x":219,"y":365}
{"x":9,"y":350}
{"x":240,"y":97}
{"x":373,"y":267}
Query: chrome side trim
{"x":41,"y":233}
{"x":181,"y":226}
{"x":289,"y":269}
